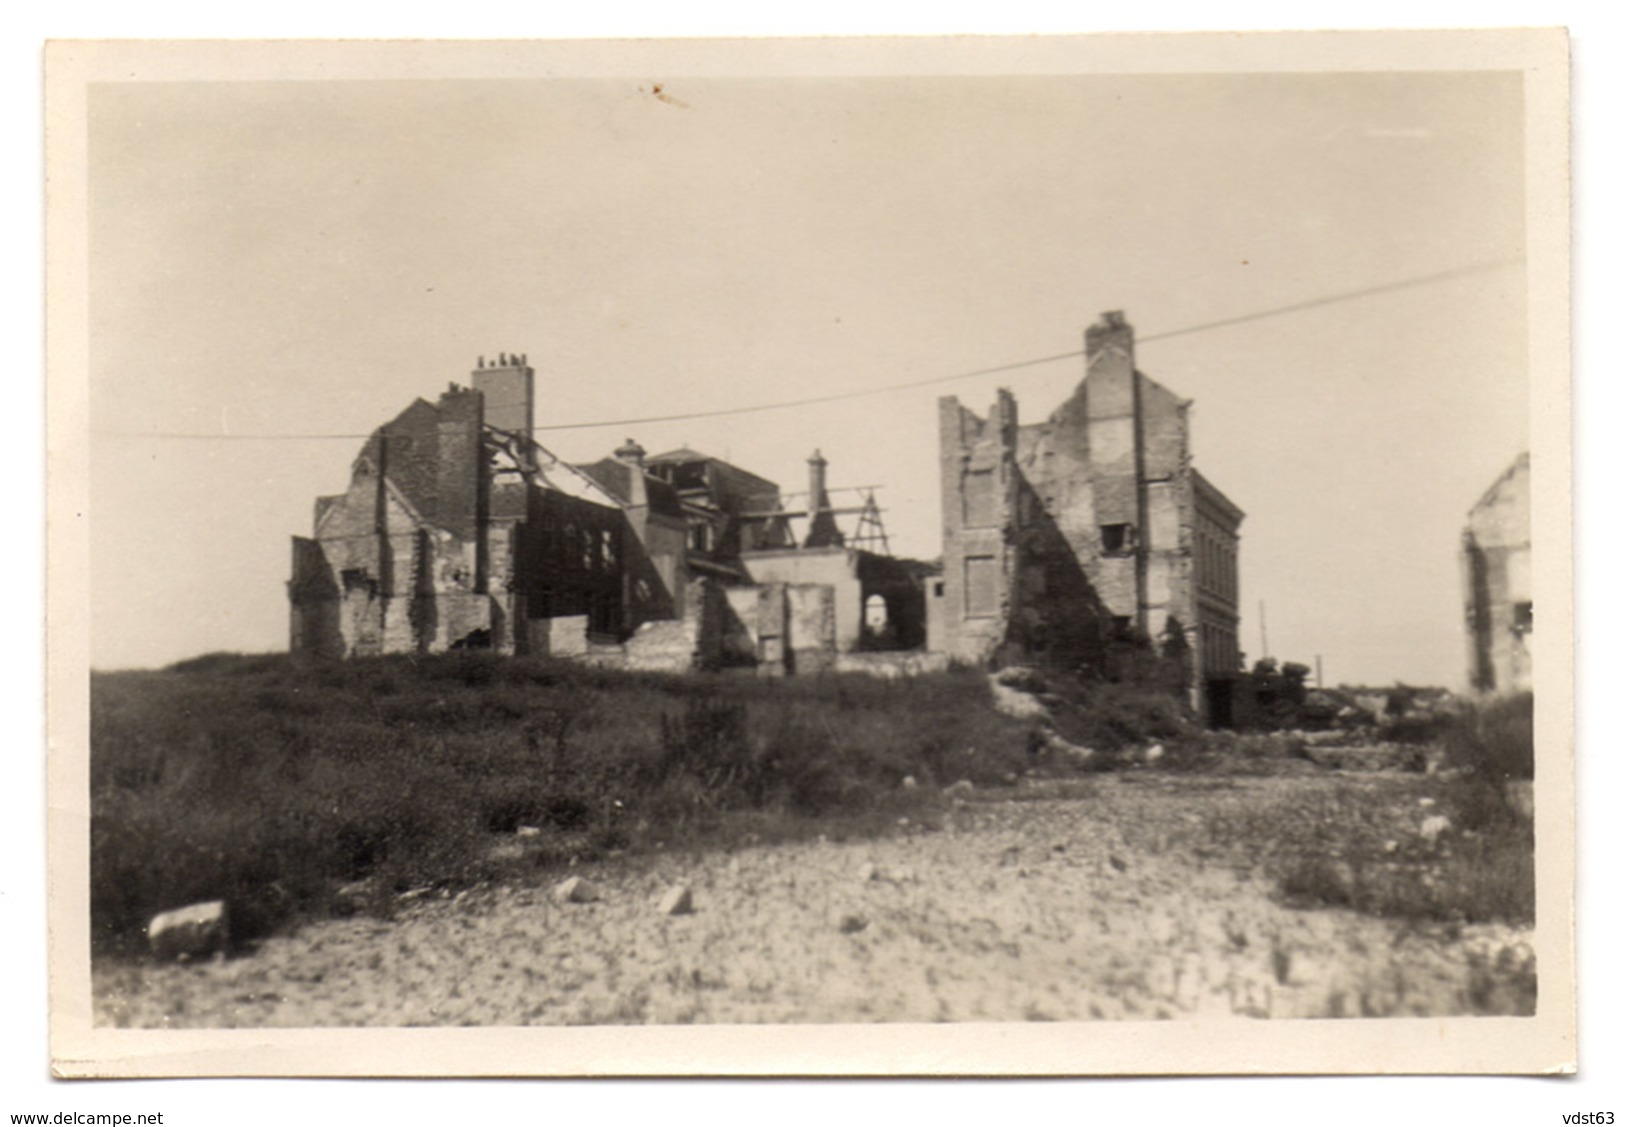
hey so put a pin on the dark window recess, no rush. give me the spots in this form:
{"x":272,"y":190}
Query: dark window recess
{"x":357,"y":579}
{"x":1116,"y":539}
{"x":602,"y":616}
{"x":1523,"y":618}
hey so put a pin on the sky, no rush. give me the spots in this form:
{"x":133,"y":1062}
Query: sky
{"x":275,"y":266}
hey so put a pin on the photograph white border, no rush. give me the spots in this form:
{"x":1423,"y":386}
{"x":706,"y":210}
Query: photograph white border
{"x":1542,"y":1044}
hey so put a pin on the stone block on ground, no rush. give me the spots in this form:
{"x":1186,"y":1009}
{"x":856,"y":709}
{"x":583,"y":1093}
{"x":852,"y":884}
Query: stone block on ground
{"x":1433,"y":827}
{"x":575,"y":890}
{"x":1021,"y":678}
{"x":678,"y":901}
{"x":1018,"y":704}
{"x":186,"y":933}
{"x":1060,"y":745}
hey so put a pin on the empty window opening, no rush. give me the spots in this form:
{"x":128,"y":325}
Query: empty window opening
{"x":1116,"y":539}
{"x":1523,"y":618}
{"x":356,"y":579}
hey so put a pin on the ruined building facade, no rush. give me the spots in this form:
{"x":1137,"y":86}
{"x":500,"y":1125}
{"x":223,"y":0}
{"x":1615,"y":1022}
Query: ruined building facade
{"x":1066,"y":538}
{"x":459,"y":531}
{"x":1496,"y":575}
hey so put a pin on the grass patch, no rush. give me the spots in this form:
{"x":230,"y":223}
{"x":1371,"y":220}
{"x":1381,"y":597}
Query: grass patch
{"x":1365,"y":846}
{"x":271,"y":783}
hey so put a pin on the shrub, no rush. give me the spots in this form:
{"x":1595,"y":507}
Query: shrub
{"x":1111,"y":717}
{"x":1416,"y":730}
{"x":1495,"y":740}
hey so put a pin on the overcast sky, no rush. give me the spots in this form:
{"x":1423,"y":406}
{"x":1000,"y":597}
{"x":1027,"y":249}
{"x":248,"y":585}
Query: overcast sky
{"x":305,"y":258}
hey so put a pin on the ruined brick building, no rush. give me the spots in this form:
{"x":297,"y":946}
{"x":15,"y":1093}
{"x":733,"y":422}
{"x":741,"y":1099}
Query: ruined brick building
{"x":1074,"y":541}
{"x":1066,"y":539}
{"x":459,"y":531}
{"x":1496,"y":574}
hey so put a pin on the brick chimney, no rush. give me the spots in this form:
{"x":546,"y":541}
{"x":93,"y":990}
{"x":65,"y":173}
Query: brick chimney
{"x":1117,"y":463}
{"x":509,"y":386}
{"x":630,"y":455}
{"x":822,"y":532}
{"x":1109,"y":342}
{"x":817,"y":496}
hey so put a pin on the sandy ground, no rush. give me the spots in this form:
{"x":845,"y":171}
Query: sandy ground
{"x":1022,"y":907}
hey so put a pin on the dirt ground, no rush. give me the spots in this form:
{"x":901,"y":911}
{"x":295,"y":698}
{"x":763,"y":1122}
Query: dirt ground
{"x":1027,"y":904}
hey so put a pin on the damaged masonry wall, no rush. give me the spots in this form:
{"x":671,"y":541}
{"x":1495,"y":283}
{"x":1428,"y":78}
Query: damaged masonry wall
{"x":1496,"y":549}
{"x":1092,"y":526}
{"x":452,"y":535}
{"x":459,"y":531}
{"x":401,"y":561}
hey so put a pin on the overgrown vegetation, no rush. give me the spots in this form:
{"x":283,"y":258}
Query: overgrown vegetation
{"x":1107,"y":717}
{"x":1495,"y":741}
{"x":1367,"y":844}
{"x":1481,"y":870}
{"x":272,"y":784}
{"x":295,"y":788}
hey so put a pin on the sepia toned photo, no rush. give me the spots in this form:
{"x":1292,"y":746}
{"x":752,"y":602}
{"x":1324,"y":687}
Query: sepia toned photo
{"x":813,"y":557}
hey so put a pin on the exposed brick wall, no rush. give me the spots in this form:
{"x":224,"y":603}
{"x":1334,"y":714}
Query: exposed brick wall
{"x":811,"y":616}
{"x":509,"y":391}
{"x":1496,"y":569}
{"x":460,"y":465}
{"x":979,"y":562}
{"x":834,"y":567}
{"x":1094,"y":538}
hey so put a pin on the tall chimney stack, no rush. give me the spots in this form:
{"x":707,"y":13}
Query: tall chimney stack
{"x":630,"y":455}
{"x":509,"y":386}
{"x":817,"y":496}
{"x":822,"y":532}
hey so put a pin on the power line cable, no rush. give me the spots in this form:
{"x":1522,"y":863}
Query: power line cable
{"x":859,"y":393}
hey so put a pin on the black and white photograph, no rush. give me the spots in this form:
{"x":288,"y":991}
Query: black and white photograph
{"x":867,"y":557}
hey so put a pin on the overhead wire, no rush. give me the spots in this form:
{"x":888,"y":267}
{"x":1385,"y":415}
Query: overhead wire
{"x":860,"y":393}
